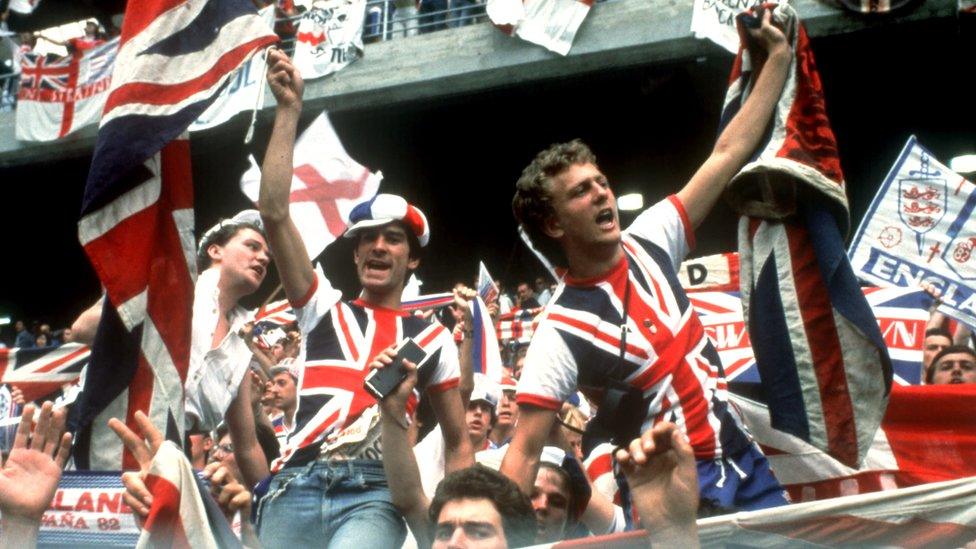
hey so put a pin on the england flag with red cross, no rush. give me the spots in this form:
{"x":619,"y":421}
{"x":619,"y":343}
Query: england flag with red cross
{"x":327,"y":183}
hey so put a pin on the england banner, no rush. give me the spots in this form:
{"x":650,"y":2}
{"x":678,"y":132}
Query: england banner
{"x":242,"y":90}
{"x":920,"y":228}
{"x":715,"y":20}
{"x":325,"y":187}
{"x":548,"y":23}
{"x":902,"y":314}
{"x":59,"y":97}
{"x":487,"y":289}
{"x":330,"y":37}
{"x":88,"y":510}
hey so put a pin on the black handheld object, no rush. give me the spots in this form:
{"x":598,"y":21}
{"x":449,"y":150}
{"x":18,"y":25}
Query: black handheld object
{"x":384,"y":381}
{"x":619,"y":416}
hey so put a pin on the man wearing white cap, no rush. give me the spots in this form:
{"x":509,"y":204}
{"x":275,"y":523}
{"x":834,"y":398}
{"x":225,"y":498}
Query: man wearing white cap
{"x":329,"y":487}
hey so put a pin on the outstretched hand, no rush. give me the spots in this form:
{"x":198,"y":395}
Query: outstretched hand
{"x":29,"y":477}
{"x":143,"y":448}
{"x":661,"y":471}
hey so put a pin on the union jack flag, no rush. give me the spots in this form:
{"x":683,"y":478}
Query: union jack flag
{"x":38,"y":372}
{"x":39,"y":73}
{"x":486,"y":358}
{"x":487,"y":288}
{"x":820,"y":354}
{"x":277,"y":312}
{"x":137,"y":213}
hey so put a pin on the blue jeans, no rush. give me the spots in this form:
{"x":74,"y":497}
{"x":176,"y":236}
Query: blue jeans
{"x":742,"y":482}
{"x":336,"y":504}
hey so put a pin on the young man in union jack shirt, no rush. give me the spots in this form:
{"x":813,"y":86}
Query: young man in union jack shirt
{"x":620,"y":316}
{"x":329,"y":487}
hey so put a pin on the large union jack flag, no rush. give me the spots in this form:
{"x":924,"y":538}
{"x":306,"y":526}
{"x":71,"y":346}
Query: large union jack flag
{"x":822,"y":359}
{"x":38,"y":372}
{"x":137,"y":212}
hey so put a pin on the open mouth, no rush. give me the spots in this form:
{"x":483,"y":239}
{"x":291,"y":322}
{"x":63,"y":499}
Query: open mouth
{"x":955,"y":381}
{"x":605,"y":218}
{"x":376,"y":265}
{"x":259,"y":270}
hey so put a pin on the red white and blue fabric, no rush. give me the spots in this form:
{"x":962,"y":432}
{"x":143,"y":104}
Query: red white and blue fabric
{"x":386,"y":208}
{"x":923,"y":438}
{"x":137,"y":212}
{"x":181,"y":515}
{"x":340,"y":340}
{"x":486,"y":359}
{"x":429,"y":301}
{"x":518,"y":325}
{"x":59,"y":97}
{"x":38,"y":372}
{"x":667,"y":356}
{"x":276,"y":312}
{"x":817,"y":345}
{"x":901,"y":313}
{"x":487,"y":288}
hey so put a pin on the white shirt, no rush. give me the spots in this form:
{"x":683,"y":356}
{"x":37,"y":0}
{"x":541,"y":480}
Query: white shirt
{"x":214,"y":374}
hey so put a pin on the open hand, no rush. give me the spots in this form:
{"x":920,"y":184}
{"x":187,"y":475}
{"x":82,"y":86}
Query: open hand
{"x":29,"y":477}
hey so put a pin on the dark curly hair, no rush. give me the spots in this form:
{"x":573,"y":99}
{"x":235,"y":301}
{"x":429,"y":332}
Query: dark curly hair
{"x":532,"y":204}
{"x":221,"y":237}
{"x":480,"y":482}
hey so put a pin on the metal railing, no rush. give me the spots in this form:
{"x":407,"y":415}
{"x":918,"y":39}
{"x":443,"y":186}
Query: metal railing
{"x":384,"y":21}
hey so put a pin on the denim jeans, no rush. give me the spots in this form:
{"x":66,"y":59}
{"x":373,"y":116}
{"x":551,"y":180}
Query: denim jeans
{"x":336,"y":504}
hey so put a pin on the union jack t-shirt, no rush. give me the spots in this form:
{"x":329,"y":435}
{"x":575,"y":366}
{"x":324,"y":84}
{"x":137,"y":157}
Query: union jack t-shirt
{"x":667,"y":356}
{"x":336,"y":416}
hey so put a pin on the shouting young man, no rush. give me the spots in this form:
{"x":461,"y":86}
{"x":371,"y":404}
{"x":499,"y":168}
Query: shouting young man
{"x":329,"y":487}
{"x":620,"y":317}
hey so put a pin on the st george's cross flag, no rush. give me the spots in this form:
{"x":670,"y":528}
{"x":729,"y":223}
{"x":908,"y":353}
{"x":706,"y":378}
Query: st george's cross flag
{"x":136,"y":223}
{"x":326,"y":184}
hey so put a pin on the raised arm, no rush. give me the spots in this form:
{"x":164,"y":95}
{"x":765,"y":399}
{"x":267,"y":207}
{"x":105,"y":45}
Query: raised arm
{"x":399,"y":462}
{"x":294,"y":267}
{"x":240,"y":423}
{"x":521,"y":461}
{"x":739,"y":139}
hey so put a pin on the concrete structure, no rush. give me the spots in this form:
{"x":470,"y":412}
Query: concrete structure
{"x":618,"y":34}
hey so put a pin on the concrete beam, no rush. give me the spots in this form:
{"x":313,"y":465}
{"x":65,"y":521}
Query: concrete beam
{"x":616,"y":35}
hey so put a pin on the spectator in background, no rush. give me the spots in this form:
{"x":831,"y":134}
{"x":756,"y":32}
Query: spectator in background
{"x":284,"y":397}
{"x":41,"y":341}
{"x":936,"y":339}
{"x":526,"y":296}
{"x":25,"y":339}
{"x":542,"y":291}
{"x":480,"y":416}
{"x":405,"y":18}
{"x":955,"y":364}
{"x":506,"y":416}
{"x":465,"y":12}
{"x":201,"y":443}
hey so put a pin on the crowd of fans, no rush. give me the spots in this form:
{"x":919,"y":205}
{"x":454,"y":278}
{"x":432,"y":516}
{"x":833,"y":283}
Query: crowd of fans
{"x":297,"y":452}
